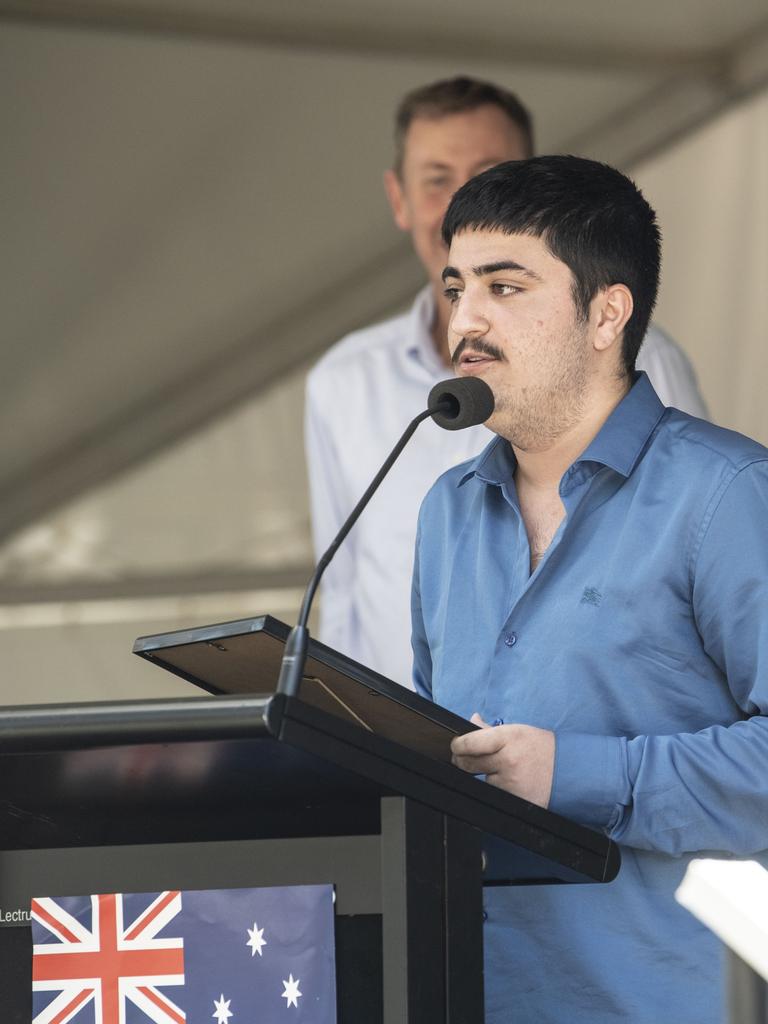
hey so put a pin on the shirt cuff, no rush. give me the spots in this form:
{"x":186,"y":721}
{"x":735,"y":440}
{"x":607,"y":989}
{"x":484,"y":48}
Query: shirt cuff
{"x":589,"y":778}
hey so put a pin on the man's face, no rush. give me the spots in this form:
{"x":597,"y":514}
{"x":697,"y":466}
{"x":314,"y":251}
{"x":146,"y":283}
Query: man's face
{"x":515,"y":324}
{"x":440,"y":155}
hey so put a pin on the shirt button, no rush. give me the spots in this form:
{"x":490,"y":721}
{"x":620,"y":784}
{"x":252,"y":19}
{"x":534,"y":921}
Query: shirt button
{"x":485,"y":915}
{"x":510,"y":639}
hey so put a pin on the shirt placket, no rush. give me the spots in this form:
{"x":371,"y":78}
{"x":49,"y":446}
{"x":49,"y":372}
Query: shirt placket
{"x":574,"y":490}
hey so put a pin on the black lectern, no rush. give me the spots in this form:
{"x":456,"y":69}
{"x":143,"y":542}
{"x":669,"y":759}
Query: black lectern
{"x":241,"y":790}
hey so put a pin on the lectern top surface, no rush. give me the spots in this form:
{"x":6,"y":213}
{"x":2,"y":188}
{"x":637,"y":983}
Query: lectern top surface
{"x":243,"y":657}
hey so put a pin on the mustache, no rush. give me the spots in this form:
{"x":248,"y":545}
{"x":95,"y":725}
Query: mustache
{"x":477,"y":347}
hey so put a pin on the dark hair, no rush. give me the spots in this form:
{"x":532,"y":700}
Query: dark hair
{"x":453,"y":96}
{"x":591,"y":217}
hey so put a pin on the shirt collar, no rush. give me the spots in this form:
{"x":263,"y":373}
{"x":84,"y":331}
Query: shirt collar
{"x":618,"y":444}
{"x":417,"y":338}
{"x":622,"y":438}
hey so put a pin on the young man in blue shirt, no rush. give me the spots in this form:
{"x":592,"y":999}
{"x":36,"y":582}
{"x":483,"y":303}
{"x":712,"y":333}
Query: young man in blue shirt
{"x":597,"y":580}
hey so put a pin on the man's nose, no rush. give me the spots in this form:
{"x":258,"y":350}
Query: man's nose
{"x":468,"y":319}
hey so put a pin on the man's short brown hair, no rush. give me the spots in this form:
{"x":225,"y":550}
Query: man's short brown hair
{"x":453,"y":96}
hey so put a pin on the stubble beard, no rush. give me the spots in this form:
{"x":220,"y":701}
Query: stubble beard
{"x":534,"y":418}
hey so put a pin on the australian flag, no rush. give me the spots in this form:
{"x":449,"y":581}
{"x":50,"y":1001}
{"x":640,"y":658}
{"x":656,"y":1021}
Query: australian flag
{"x":233,"y":956}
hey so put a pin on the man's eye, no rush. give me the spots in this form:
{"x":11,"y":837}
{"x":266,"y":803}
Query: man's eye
{"x":452,"y":294}
{"x":505,"y":289}
{"x":435,"y":183}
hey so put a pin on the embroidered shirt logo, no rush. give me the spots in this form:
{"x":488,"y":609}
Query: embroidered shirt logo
{"x":591,"y":595}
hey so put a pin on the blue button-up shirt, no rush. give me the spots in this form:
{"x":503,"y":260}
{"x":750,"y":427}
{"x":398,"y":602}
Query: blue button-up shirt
{"x":641,"y":640}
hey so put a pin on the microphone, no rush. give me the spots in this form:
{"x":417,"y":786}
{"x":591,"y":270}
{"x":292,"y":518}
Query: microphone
{"x":464,"y":402}
{"x":453,"y":404}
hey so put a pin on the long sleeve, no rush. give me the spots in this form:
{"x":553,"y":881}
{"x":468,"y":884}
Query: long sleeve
{"x":329,"y":508}
{"x":702,"y":791}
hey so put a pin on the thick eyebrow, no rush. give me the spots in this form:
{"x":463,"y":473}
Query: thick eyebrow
{"x":494,"y":268}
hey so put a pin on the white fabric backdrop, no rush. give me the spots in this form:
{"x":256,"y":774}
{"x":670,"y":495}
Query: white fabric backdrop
{"x":711,"y":193}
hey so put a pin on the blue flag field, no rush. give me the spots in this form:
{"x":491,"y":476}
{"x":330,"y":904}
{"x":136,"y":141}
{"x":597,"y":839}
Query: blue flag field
{"x":233,"y":956}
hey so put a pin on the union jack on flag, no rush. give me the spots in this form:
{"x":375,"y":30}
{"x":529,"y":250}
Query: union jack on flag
{"x":233,"y":956}
{"x":107,"y":960}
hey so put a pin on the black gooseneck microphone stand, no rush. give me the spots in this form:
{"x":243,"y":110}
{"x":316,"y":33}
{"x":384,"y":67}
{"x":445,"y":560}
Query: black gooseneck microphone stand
{"x":454,"y":404}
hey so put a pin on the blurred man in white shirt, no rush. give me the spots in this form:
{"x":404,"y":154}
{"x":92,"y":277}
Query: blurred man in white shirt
{"x":445,"y":133}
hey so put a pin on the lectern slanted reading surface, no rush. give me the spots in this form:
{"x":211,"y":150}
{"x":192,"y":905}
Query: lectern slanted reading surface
{"x":244,"y":657}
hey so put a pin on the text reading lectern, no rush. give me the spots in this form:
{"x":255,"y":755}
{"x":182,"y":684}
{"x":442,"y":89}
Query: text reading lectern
{"x":348,"y":783}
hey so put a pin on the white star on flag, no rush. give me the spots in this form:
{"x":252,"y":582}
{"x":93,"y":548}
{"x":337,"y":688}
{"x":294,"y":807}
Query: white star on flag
{"x":222,"y":1013}
{"x":256,"y":939}
{"x":291,"y":994}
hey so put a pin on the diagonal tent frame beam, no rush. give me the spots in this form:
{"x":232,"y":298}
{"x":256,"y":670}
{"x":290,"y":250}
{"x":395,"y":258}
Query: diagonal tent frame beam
{"x":676,"y":106}
{"x":249,"y":367}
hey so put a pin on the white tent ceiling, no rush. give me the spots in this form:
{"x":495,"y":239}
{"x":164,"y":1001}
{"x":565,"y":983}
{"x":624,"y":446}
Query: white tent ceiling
{"x":190,"y":188}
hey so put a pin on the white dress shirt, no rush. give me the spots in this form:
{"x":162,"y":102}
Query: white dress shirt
{"x":360,"y":397}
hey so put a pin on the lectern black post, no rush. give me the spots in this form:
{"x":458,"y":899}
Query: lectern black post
{"x":232,"y":791}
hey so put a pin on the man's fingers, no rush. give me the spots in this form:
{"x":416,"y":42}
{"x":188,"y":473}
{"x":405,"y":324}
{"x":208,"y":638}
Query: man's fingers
{"x":481,"y":741}
{"x":484,"y":764}
{"x":477,"y":719}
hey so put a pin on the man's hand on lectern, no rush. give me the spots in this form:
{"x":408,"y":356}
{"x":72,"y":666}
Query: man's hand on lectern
{"x":518,"y":758}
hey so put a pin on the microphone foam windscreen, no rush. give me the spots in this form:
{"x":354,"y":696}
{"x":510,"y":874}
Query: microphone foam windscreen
{"x":460,"y":402}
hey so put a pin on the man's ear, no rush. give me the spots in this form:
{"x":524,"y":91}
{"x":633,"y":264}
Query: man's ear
{"x":397,"y":201}
{"x":614,"y":308}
